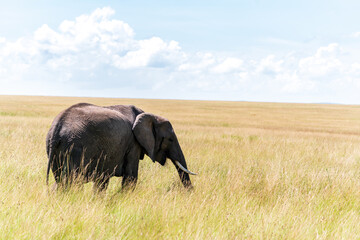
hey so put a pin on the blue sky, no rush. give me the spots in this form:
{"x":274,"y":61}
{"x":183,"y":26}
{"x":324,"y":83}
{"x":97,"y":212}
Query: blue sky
{"x":278,"y":51}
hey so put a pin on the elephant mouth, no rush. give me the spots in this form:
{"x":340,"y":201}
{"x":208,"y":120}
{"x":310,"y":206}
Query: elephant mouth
{"x":162,"y":159}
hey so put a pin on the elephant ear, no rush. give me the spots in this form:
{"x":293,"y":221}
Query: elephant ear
{"x":144,"y":131}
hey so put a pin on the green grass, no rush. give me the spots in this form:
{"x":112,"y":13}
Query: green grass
{"x":266,"y":171}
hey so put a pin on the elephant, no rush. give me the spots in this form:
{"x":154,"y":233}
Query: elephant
{"x":94,"y":143}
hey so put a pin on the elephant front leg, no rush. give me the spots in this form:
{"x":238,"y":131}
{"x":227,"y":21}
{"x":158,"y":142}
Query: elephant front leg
{"x":130,"y":174}
{"x":129,"y":182}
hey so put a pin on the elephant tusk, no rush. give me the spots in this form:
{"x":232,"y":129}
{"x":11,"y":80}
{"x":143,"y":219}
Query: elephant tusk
{"x":184,"y":169}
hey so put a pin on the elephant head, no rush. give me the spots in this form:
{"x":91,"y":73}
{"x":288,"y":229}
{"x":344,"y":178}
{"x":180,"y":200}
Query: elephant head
{"x":156,"y":135}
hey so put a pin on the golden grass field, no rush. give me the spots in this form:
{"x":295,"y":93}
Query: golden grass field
{"x":266,"y":171}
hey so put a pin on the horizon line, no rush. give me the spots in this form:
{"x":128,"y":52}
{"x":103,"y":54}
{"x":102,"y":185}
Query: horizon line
{"x":180,"y":99}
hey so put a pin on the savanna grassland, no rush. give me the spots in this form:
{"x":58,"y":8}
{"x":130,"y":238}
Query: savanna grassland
{"x":266,"y":171}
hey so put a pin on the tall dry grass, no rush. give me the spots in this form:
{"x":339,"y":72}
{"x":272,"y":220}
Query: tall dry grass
{"x":266,"y":171}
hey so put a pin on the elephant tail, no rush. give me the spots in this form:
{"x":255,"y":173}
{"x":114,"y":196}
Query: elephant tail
{"x":52,"y":145}
{"x":50,"y":163}
{"x":48,"y":172}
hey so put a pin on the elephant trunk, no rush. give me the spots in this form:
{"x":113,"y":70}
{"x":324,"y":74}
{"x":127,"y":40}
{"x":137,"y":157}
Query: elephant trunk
{"x":181,"y":167}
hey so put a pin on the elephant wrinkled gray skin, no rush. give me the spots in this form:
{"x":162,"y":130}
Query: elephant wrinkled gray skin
{"x":94,"y":143}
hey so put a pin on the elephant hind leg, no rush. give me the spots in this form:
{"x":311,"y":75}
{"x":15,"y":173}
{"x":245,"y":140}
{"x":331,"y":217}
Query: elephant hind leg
{"x":66,"y":170}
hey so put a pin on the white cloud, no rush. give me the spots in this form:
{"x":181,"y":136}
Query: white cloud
{"x":324,"y":62}
{"x":85,"y":44}
{"x":152,"y":52}
{"x":355,"y":69}
{"x":269,"y":65}
{"x":293,"y":83}
{"x":96,"y":54}
{"x":199,"y":62}
{"x":356,"y":34}
{"x":230,"y":64}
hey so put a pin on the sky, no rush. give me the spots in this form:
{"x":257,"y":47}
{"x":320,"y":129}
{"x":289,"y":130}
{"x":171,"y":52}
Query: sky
{"x":268,"y":51}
